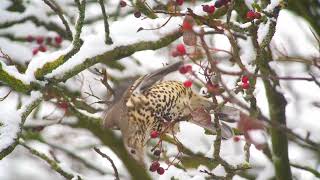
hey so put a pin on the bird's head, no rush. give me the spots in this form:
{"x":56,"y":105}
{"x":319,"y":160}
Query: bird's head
{"x":135,"y":147}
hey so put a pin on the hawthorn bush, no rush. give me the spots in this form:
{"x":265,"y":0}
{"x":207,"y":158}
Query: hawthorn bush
{"x":63,"y":63}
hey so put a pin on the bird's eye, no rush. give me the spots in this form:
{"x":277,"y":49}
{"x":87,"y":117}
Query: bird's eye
{"x":203,"y":91}
{"x":132,"y":151}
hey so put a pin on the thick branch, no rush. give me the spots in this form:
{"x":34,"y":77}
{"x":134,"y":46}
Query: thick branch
{"x":120,"y":52}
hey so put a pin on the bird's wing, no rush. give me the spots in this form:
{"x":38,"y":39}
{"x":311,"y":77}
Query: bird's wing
{"x":152,"y":78}
{"x":124,"y":99}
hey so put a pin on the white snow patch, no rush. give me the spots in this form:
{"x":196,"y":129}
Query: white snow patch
{"x":263,"y":31}
{"x":12,"y":71}
{"x":257,"y":136}
{"x":94,"y":44}
{"x":272,"y":5}
{"x":10,"y":122}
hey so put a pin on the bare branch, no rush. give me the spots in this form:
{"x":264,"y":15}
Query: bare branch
{"x":116,"y":174}
{"x":59,"y":12}
{"x":53,"y":164}
{"x":108,"y":39}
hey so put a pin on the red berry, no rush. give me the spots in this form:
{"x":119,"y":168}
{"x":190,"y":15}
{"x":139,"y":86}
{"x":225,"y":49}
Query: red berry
{"x":250,"y":15}
{"x":35,"y":51}
{"x":174,"y":53}
{"x":245,"y":79}
{"x":189,"y":68}
{"x":42,"y":48}
{"x":154,"y":134}
{"x":157,"y":152}
{"x":154,"y":166}
{"x":257,"y":15}
{"x":123,"y":4}
{"x":137,"y":14}
{"x":58,"y":39}
{"x":187,"y":84}
{"x":63,"y":105}
{"x":160,"y":170}
{"x":236,"y":139}
{"x":181,"y":49}
{"x":183,"y":70}
{"x":30,"y":38}
{"x":211,"y":9}
{"x":186,"y":26}
{"x":40,"y":39}
{"x":205,"y":8}
{"x":245,"y":85}
{"x":179,"y":2}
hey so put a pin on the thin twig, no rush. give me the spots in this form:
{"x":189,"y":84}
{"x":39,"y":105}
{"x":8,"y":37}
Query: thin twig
{"x":79,"y":24}
{"x":54,"y":165}
{"x":313,"y":171}
{"x":59,"y":12}
{"x":4,"y":97}
{"x":116,"y":174}
{"x":108,"y":39}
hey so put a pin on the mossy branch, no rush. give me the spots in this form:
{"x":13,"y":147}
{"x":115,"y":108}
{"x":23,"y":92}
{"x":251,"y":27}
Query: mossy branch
{"x":120,"y":52}
{"x":13,"y":82}
{"x":277,"y":105}
{"x":77,"y":43}
{"x":108,"y":39}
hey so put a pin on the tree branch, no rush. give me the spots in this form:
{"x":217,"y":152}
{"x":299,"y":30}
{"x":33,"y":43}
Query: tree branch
{"x":116,"y":174}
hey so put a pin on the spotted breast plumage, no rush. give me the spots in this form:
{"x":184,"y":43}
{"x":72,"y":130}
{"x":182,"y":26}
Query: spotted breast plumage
{"x":147,"y":105}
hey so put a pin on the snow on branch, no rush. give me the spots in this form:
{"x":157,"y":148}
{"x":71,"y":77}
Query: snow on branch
{"x":35,"y":13}
{"x":11,"y":123}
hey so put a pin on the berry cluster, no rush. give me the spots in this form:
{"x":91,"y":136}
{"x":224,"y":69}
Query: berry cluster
{"x":252,"y":15}
{"x":155,"y":166}
{"x":208,"y":9}
{"x":245,"y":82}
{"x":42,"y":42}
{"x":185,"y":69}
{"x":211,"y":8}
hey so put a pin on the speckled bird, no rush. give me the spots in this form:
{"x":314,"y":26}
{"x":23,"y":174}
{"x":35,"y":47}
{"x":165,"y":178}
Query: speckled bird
{"x":148,"y":103}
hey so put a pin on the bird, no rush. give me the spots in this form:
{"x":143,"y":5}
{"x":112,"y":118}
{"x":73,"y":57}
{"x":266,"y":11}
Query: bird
{"x":149,"y":103}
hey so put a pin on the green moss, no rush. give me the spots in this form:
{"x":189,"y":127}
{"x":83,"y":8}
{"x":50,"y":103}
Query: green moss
{"x":49,"y":67}
{"x":14,"y":83}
